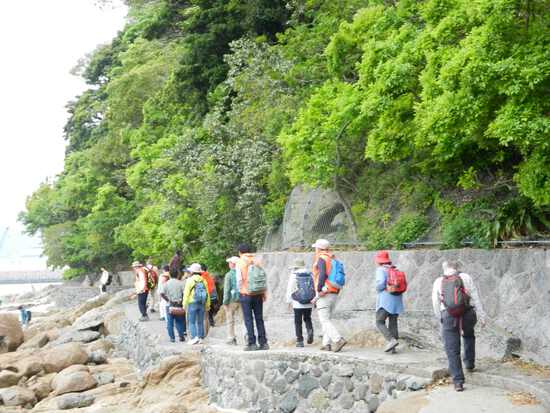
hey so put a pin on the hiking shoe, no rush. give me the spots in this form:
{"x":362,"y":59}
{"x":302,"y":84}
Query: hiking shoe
{"x":231,"y":342}
{"x":391,"y":345}
{"x":310,"y":336}
{"x":194,"y":340}
{"x":459,"y":387}
{"x":172,"y":340}
{"x":182,"y":338}
{"x":299,"y":344}
{"x":251,"y":347}
{"x":264,"y":347}
{"x":144,"y":318}
{"x":199,"y":341}
{"x":326,"y":348}
{"x":152,"y":310}
{"x":162,"y":319}
{"x":339,"y":345}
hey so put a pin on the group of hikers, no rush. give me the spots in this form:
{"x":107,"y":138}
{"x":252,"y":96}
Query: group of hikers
{"x":188,"y":295}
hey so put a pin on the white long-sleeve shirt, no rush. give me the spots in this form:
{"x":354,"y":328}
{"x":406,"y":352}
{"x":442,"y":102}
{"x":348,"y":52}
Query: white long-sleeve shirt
{"x":292,"y":287}
{"x":471,"y":290}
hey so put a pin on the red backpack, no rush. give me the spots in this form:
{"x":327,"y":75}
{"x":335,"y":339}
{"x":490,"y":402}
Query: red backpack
{"x":397,"y":281}
{"x":151,"y":278}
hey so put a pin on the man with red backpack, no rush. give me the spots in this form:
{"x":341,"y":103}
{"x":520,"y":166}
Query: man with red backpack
{"x":456,"y":303}
{"x":329,"y":278}
{"x":390,"y":285}
{"x":142,"y":290}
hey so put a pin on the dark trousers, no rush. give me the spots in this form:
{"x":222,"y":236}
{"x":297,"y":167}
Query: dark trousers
{"x":450,"y":328}
{"x":252,"y":306}
{"x":142,"y":303}
{"x":305,"y":315}
{"x":214,"y":307}
{"x":390,"y":331}
{"x":178,"y":320}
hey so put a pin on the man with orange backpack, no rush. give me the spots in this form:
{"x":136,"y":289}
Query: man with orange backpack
{"x":329,"y":278}
{"x":390,"y":285}
{"x":456,"y":303}
{"x":142,"y":291}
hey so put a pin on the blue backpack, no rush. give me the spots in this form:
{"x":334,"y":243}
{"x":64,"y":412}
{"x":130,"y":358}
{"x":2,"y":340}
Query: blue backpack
{"x":306,"y":289}
{"x":337,"y":276}
{"x":200,"y":294}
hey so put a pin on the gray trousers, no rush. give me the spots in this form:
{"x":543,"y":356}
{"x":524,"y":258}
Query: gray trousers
{"x":450,"y":331}
{"x":389,"y":331}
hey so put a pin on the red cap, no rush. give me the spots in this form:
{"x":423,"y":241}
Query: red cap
{"x":382,"y":257}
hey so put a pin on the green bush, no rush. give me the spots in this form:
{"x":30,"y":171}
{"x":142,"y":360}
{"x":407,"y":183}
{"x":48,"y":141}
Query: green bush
{"x":71,"y":273}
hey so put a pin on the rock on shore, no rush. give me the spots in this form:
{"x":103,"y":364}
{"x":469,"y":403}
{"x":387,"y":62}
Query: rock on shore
{"x":65,"y":361}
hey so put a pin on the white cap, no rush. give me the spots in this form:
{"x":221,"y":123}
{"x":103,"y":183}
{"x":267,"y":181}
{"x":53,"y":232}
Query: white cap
{"x":322,"y":244}
{"x":195,"y":268}
{"x":233,"y":260}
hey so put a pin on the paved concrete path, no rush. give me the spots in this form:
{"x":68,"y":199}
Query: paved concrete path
{"x":475,"y":399}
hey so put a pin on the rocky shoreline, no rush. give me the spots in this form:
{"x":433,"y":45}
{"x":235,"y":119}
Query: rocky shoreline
{"x":67,"y":359}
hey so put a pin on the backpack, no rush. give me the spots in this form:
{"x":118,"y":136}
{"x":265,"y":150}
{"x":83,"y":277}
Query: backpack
{"x":396,"y":283}
{"x":454,"y":296}
{"x":152,"y":279}
{"x":233,"y":290}
{"x":199,"y":294}
{"x":306,"y":290}
{"x":257,"y":279}
{"x":109,"y":279}
{"x":337,"y":276}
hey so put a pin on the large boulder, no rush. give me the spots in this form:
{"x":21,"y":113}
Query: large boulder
{"x":89,"y":305}
{"x":17,"y":396}
{"x":11,"y":334}
{"x":66,"y":355}
{"x":41,"y":385}
{"x":38,"y":341}
{"x":71,"y":382}
{"x":112,"y":322}
{"x":8,"y":378}
{"x":74,"y":401}
{"x":30,"y":366}
{"x":92,"y":320}
{"x":119,"y":298}
{"x":70,"y":336}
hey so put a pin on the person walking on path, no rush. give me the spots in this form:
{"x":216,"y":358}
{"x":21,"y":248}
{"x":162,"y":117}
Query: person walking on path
{"x":175,"y":262}
{"x":327,"y":295}
{"x":164,"y":277}
{"x":140,"y":285}
{"x":197,"y":301}
{"x":211,"y":282}
{"x":153,"y":272}
{"x":456,"y":304}
{"x":231,"y":299}
{"x":251,"y":300}
{"x":172,"y":293}
{"x":300,"y":293}
{"x":388,"y":306}
{"x":104,"y":281}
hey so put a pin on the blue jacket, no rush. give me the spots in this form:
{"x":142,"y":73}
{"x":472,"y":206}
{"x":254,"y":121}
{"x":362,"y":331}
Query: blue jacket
{"x":393,"y":304}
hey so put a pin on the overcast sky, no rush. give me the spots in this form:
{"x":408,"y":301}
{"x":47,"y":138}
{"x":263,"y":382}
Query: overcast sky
{"x":40,"y":41}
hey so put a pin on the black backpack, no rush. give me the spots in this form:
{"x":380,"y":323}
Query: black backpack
{"x":454,"y":296}
{"x":306,"y":288}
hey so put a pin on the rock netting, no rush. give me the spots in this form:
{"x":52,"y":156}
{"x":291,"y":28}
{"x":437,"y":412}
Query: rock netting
{"x":267,"y":382}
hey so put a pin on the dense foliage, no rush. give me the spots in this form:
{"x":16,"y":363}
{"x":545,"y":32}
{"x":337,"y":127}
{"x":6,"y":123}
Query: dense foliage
{"x":431,"y":117}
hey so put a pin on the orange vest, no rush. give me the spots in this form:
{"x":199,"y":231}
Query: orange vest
{"x":328,"y":266}
{"x":209,"y":281}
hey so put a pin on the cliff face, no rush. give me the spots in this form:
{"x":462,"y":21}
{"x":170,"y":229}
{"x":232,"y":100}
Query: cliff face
{"x":514,"y":287}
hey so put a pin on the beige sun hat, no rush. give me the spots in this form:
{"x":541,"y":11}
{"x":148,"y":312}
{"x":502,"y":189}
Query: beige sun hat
{"x":137,"y":264}
{"x":195,"y":268}
{"x":233,"y":260}
{"x":322,"y":244}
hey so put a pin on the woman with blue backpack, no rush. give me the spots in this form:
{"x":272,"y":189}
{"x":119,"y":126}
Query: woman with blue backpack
{"x":197,"y":301}
{"x":300,"y":293}
{"x":329,"y":277}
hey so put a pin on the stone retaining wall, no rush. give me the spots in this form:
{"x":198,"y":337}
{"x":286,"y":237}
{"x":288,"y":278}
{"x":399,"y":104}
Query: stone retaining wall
{"x":514,"y":285}
{"x":276,"y":381}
